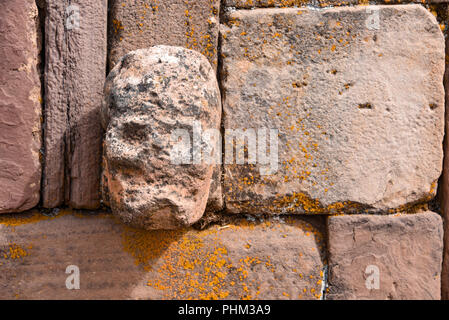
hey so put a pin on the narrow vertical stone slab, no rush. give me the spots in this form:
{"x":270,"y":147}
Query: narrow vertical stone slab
{"x":138,"y":24}
{"x":444,"y":189}
{"x":385,"y":257}
{"x":55,"y":112}
{"x":356,"y":95}
{"x":76,"y":49}
{"x":20,"y":106}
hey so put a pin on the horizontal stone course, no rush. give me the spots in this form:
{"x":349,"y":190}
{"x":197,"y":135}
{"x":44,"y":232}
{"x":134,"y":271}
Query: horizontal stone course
{"x":239,"y":260}
{"x":186,"y":23}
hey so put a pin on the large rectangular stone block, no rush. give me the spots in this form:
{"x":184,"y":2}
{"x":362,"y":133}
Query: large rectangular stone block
{"x":20,"y":105}
{"x":75,"y":70}
{"x":137,"y":24}
{"x":356,"y":95}
{"x":385,"y":257}
{"x":239,"y":260}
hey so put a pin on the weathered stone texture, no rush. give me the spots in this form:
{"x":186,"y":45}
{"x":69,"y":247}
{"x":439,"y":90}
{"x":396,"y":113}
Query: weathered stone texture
{"x":191,"y":24}
{"x":137,"y":24}
{"x":75,"y":71}
{"x":406,"y":249}
{"x":231,"y":262}
{"x":20,"y":106}
{"x":358,"y":107}
{"x":150,"y":95}
{"x":444,"y":190}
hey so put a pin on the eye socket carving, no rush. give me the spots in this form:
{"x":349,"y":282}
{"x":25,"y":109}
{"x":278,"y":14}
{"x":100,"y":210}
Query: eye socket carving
{"x":134,"y":132}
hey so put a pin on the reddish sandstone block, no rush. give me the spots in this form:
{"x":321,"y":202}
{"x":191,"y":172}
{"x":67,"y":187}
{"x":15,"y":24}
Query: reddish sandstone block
{"x":20,"y":106}
{"x":242,"y":260}
{"x":247,"y":4}
{"x":137,"y":24}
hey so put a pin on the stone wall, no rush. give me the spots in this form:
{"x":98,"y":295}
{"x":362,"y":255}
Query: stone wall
{"x":351,"y":98}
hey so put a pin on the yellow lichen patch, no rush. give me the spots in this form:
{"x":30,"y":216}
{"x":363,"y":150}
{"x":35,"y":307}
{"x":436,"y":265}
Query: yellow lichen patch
{"x":291,"y":203}
{"x":117,"y":26}
{"x":13,"y":220}
{"x":197,"y":40}
{"x":183,"y":266}
{"x":417,"y":206}
{"x":191,"y":264}
{"x":15,"y":251}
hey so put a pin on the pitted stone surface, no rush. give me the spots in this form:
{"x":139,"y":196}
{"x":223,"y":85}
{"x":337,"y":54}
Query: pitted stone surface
{"x":190,"y":24}
{"x":149,"y":96}
{"x":385,"y":257}
{"x":118,"y":262}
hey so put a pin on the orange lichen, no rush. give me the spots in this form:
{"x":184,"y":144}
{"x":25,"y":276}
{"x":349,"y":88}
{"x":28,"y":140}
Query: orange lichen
{"x":13,"y":220}
{"x":15,"y":251}
{"x":189,"y":264}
